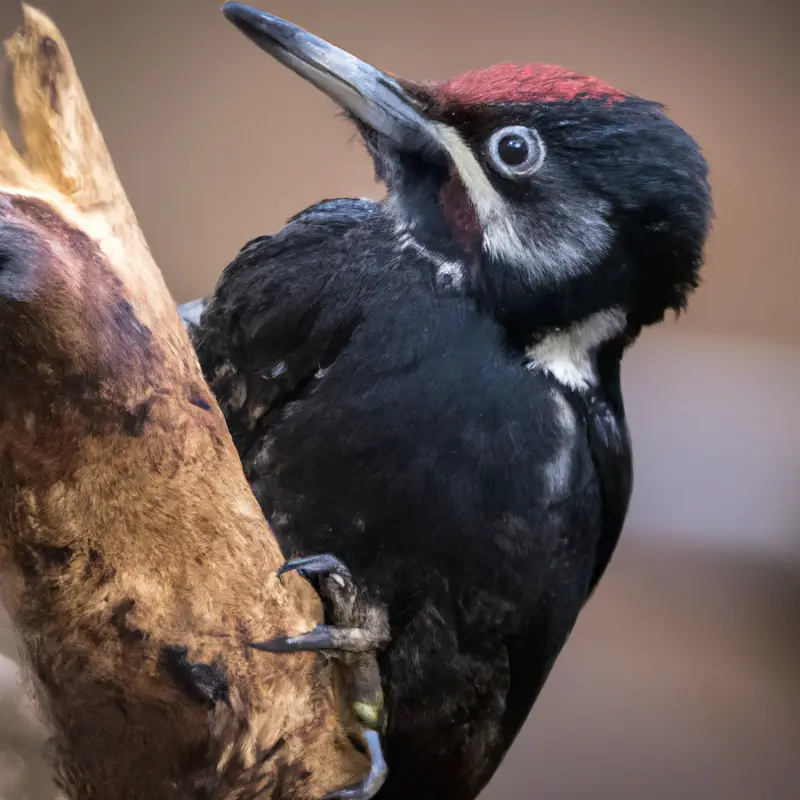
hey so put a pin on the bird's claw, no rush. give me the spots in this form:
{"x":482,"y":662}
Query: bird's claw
{"x":378,"y":771}
{"x":324,"y":564}
{"x":358,"y":629}
{"x":358,"y":626}
{"x":323,"y":637}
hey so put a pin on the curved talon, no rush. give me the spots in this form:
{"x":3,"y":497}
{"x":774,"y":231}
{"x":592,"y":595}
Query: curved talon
{"x":323,"y":637}
{"x":324,"y":564}
{"x":378,"y":771}
{"x":359,"y":629}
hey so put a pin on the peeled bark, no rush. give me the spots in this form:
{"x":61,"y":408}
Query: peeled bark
{"x":134,"y":560}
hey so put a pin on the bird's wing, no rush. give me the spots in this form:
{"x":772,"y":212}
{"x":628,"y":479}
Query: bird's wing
{"x":278,"y":314}
{"x":191,"y":313}
{"x":610,"y":448}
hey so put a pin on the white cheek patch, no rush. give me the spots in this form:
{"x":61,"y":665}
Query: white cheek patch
{"x":500,"y":237}
{"x":567,"y":354}
{"x":488,"y":202}
{"x":581,"y":236}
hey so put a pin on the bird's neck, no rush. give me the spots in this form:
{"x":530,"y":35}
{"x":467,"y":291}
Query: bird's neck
{"x":560,"y":329}
{"x":570,"y":354}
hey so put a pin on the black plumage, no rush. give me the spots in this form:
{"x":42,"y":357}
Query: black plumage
{"x":387,"y":421}
{"x":439,"y":406}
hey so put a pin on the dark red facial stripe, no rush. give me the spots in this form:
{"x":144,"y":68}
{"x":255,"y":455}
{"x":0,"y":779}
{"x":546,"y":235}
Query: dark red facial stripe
{"x":459,"y":213}
{"x":532,"y":83}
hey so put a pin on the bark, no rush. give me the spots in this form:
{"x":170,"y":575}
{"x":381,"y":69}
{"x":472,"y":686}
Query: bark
{"x":134,"y":561}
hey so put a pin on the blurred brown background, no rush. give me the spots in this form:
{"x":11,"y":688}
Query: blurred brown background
{"x":682,"y":679}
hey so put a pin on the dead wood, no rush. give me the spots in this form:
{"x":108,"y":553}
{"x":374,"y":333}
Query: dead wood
{"x":134,"y":561}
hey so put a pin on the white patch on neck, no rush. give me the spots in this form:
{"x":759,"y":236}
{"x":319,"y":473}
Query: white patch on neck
{"x":568,"y":354}
{"x":567,"y":250}
{"x":450,"y":273}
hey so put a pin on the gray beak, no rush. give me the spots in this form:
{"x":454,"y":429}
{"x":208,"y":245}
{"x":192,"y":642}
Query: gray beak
{"x":371,"y":96}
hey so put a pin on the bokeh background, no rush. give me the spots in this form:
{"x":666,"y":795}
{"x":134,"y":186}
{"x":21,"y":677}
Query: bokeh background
{"x":682,"y":679}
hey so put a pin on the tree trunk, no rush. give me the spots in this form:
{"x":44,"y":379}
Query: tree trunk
{"x":134,"y":561}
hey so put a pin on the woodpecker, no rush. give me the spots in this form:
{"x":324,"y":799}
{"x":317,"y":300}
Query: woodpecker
{"x":428,"y":387}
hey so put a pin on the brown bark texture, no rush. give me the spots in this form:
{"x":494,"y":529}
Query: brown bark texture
{"x":134,"y":560}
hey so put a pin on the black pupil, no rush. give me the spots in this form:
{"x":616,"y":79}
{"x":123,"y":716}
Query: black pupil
{"x":513,"y":149}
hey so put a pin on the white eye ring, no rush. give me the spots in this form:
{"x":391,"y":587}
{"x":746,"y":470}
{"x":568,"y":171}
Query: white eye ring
{"x":527,"y":142}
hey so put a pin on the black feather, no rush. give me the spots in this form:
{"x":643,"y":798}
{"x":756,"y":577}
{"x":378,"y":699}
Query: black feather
{"x":401,"y":431}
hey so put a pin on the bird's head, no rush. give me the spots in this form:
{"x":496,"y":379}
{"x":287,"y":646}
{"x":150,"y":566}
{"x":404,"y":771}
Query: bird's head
{"x":561,"y":198}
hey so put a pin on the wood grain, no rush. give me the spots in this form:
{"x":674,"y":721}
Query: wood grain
{"x":134,"y":561}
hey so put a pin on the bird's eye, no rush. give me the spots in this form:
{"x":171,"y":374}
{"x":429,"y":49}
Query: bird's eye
{"x":516,"y":151}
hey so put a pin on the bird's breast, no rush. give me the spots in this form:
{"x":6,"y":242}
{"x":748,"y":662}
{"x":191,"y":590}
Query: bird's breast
{"x":452,"y":456}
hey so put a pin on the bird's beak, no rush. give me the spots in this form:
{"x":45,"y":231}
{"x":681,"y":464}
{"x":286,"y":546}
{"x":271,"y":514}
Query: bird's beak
{"x":369,"y":95}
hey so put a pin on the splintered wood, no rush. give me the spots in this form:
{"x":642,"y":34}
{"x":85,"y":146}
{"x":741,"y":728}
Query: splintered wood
{"x":134,"y":561}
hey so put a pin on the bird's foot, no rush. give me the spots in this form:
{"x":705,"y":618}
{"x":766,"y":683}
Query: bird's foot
{"x":356,"y":630}
{"x":357,"y":626}
{"x":378,"y":771}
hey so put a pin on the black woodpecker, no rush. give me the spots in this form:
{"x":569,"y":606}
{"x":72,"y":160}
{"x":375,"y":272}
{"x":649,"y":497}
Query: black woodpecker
{"x":428,"y":387}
